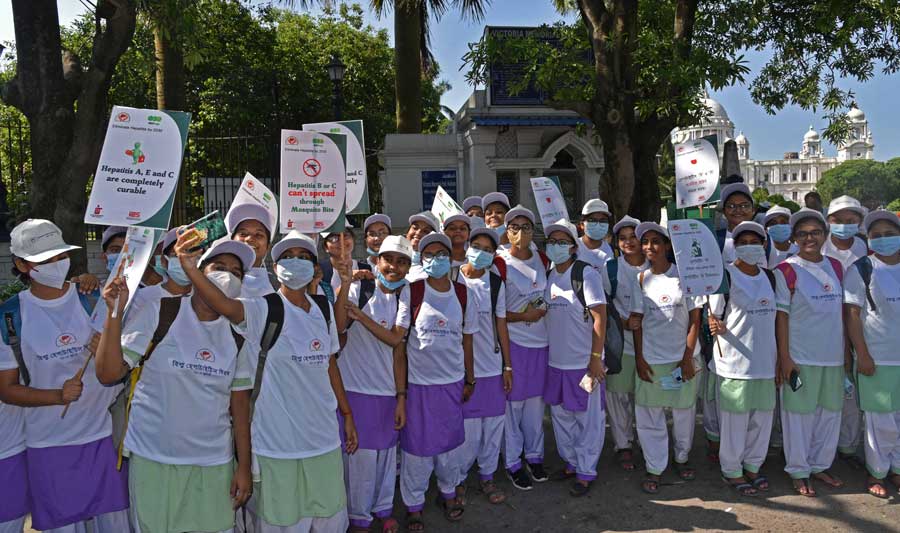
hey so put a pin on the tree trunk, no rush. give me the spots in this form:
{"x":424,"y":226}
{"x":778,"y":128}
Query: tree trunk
{"x":646,"y":203}
{"x":170,"y":76}
{"x":618,"y":169}
{"x":408,"y":65}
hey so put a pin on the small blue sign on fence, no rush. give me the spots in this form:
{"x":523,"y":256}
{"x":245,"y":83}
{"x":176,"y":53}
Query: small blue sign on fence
{"x":431,"y":179}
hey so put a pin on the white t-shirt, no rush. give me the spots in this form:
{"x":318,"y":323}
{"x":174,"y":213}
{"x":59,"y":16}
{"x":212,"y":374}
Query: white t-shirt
{"x":416,"y":272}
{"x":256,"y":283}
{"x":336,"y":278}
{"x":295,"y":412}
{"x":179,"y":414}
{"x":626,"y":277}
{"x":597,"y":259}
{"x":12,"y":417}
{"x":366,"y":363}
{"x":525,"y":281}
{"x":846,"y":257}
{"x":54,"y":336}
{"x":816,"y":331}
{"x":748,"y":349}
{"x":728,"y":253}
{"x":488,"y":361}
{"x":571,"y":342}
{"x":776,"y":256}
{"x":881,"y":327}
{"x":434,"y":351}
{"x":666,"y":316}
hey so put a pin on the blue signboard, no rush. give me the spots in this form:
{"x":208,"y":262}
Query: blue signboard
{"x":431,"y":179}
{"x":502,"y":75}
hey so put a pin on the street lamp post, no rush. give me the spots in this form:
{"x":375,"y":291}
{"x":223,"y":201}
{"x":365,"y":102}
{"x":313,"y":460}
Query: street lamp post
{"x":5,"y":215}
{"x":336,"y":70}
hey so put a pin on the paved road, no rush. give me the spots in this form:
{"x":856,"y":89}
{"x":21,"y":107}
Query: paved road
{"x":616,"y":503}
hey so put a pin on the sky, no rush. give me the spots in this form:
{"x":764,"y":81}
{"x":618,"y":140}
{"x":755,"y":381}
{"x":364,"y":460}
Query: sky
{"x":770,"y":136}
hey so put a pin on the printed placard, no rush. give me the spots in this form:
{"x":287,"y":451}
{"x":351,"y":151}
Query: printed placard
{"x":357,"y":182}
{"x":444,"y":205}
{"x":253,"y":191}
{"x":313,"y":181}
{"x":696,"y":172}
{"x":697,"y":255}
{"x":549,"y":201}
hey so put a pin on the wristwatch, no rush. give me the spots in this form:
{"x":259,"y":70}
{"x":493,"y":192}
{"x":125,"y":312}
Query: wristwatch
{"x":471,"y":383}
{"x":507,"y":369}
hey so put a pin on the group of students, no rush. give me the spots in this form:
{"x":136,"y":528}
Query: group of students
{"x":251,"y":408}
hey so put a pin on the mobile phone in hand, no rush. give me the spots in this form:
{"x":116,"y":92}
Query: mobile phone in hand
{"x":795,"y":380}
{"x":210,"y":228}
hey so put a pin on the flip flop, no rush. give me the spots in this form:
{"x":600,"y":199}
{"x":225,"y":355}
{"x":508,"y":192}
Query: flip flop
{"x":743,"y":488}
{"x":390,"y":525}
{"x":804,"y":488}
{"x":414,"y":522}
{"x":827,"y":478}
{"x":493,"y":492}
{"x":684,"y":471}
{"x":453,"y":509}
{"x":650,"y":485}
{"x":626,"y":459}
{"x":760,"y":482}
{"x":870,"y":487}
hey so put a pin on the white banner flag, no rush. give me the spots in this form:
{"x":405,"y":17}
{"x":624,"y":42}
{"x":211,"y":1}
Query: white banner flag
{"x":253,"y":191}
{"x":444,"y":205}
{"x":313,"y":181}
{"x":548,"y":198}
{"x":698,"y":257}
{"x":696,"y":172}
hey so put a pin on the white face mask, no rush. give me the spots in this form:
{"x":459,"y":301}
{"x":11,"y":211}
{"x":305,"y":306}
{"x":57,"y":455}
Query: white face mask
{"x":752,"y":254}
{"x":227,"y":282}
{"x":51,"y":274}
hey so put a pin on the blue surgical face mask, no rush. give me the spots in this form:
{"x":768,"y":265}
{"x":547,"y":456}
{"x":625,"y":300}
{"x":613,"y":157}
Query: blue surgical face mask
{"x":885,"y":246}
{"x":176,"y":272}
{"x":111,"y":261}
{"x":559,"y":253}
{"x":596,"y":230}
{"x":389,"y":285}
{"x":479,"y":258}
{"x":294,"y":273}
{"x":501,"y":229}
{"x":417,"y":258}
{"x":158,"y":268}
{"x":437,"y":267}
{"x":370,"y":252}
{"x":844,"y":231}
{"x":780,"y":232}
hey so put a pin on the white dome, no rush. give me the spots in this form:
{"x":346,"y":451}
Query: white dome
{"x":811,"y":135}
{"x":741,"y":139}
{"x":715,"y":109}
{"x":856,"y":114}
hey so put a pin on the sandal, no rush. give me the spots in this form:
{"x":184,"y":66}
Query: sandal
{"x":414,"y":522}
{"x":760,"y":482}
{"x":873,"y":485}
{"x":461,"y":493}
{"x":579,"y":489}
{"x":741,"y":486}
{"x":804,"y":487}
{"x":390,"y":525}
{"x":562,"y":475}
{"x":684,"y":471}
{"x":825,"y":477}
{"x":453,"y":509}
{"x":650,"y":485}
{"x":493,"y":492}
{"x":626,"y":459}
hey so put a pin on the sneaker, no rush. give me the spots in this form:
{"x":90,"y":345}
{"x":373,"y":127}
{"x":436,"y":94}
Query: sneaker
{"x":520,"y":479}
{"x":537,"y":472}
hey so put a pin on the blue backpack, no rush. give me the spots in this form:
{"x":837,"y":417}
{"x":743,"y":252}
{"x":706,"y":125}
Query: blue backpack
{"x":12,"y":327}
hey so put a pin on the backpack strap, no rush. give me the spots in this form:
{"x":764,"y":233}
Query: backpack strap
{"x":271,"y":332}
{"x":771,"y":276}
{"x":790,"y":275}
{"x":416,"y":297}
{"x":577,"y":280}
{"x":327,"y":271}
{"x":324,"y":306}
{"x":838,"y":269}
{"x":544,"y":259}
{"x":364,"y":265}
{"x":612,"y":272}
{"x":500,"y":263}
{"x":496,"y":283}
{"x":641,"y":279}
{"x":168,"y":312}
{"x":12,"y":325}
{"x":721,"y":237}
{"x":463,"y":296}
{"x":366,"y":292}
{"x":864,"y":267}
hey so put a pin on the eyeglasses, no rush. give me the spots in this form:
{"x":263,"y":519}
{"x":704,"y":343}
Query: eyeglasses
{"x":746,"y":206}
{"x":336,"y":237}
{"x":803,"y":235}
{"x":553,"y":242}
{"x":527,"y":228}
{"x":377,"y":234}
{"x":439,"y":255}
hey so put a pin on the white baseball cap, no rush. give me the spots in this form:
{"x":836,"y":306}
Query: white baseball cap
{"x":776,"y":211}
{"x":347,"y":227}
{"x":564,"y":226}
{"x":494,"y":197}
{"x":880,"y":214}
{"x":376,"y":218}
{"x":111,"y":232}
{"x":644,"y":227}
{"x":426,"y":217}
{"x":432,"y":238}
{"x":227,"y":246}
{"x":519,"y":211}
{"x":487,"y":232}
{"x":805,"y":213}
{"x":37,"y":240}
{"x":471,"y":201}
{"x":595,"y":205}
{"x":734,"y":188}
{"x":458,"y":217}
{"x":752,"y":227}
{"x":294,"y":239}
{"x":398,"y":245}
{"x":241,"y":212}
{"x":626,"y":222}
{"x":170,"y":238}
{"x":846,"y":202}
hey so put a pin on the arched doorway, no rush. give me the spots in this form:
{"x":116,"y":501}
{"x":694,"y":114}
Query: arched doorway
{"x":570,"y":181}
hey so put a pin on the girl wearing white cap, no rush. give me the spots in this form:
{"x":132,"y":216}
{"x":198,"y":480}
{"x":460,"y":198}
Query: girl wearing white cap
{"x":872,"y":308}
{"x":457,"y":228}
{"x":845,"y":214}
{"x":622,"y":272}
{"x":495,"y":206}
{"x":339,"y":247}
{"x":526,"y":281}
{"x":193,"y":373}
{"x":472,"y":207}
{"x":595,"y":217}
{"x":252,"y":225}
{"x":420,"y":225}
{"x":744,"y":358}
{"x":666,"y":358}
{"x":809,"y":332}
{"x":778,"y":229}
{"x":484,"y":413}
{"x":578,"y":320}
{"x":67,"y":465}
{"x":376,"y":228}
{"x":444,"y":319}
{"x":373,"y":316}
{"x":298,"y":468}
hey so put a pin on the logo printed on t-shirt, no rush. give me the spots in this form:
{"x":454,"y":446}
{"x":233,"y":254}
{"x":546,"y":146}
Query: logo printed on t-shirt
{"x":441,"y":322}
{"x":315,"y":345}
{"x":65,"y":339}
{"x":665,"y":298}
{"x":383,"y":323}
{"x":764,"y":302}
{"x":206,"y":355}
{"x":827,"y":287}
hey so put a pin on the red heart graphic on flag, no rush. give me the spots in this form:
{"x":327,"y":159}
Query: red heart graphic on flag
{"x":548,"y":200}
{"x":693,"y":161}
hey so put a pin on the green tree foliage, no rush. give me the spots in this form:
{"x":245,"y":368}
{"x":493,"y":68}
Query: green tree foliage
{"x":894,"y":205}
{"x":871,"y":182}
{"x":760,"y":195}
{"x":777,"y":199}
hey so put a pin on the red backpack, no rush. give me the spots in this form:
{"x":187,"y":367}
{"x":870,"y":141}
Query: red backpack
{"x":790,"y":275}
{"x":417,"y":296}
